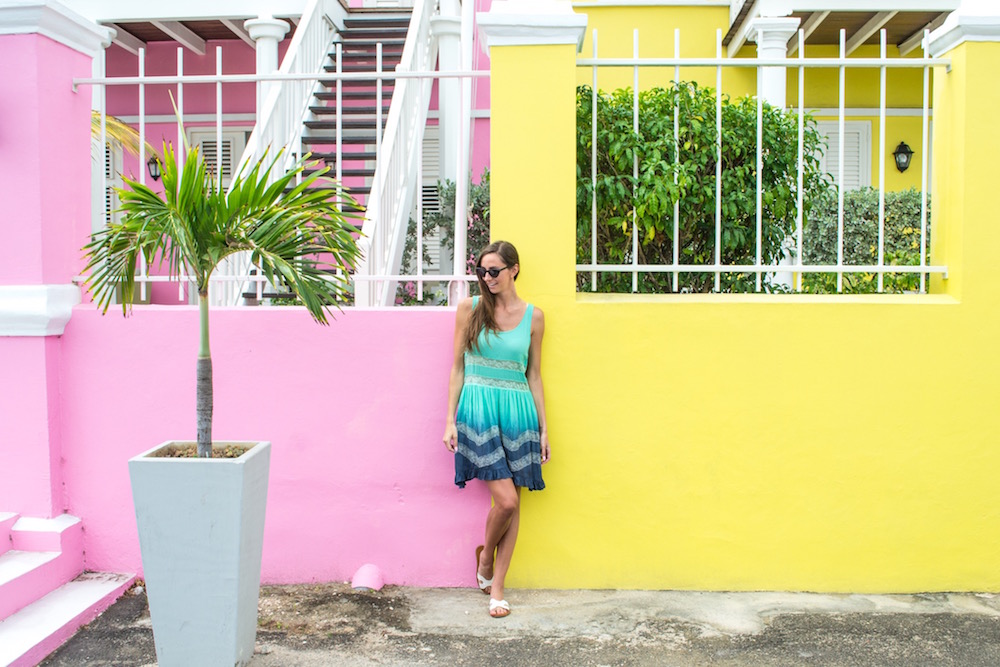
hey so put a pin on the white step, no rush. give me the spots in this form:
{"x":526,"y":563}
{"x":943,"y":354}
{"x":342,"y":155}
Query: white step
{"x":35,"y":631}
{"x":7,"y":520}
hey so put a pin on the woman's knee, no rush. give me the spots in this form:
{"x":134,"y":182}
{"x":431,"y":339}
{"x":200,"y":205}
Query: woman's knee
{"x":507,"y":503}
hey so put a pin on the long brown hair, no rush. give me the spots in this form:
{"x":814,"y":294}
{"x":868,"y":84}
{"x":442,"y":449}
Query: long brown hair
{"x":483,"y":315}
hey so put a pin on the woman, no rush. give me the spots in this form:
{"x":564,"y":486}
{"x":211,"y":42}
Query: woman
{"x":496,"y":407}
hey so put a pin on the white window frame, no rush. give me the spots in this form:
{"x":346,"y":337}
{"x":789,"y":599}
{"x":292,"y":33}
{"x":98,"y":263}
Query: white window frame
{"x":236,"y":136}
{"x":860,"y":147}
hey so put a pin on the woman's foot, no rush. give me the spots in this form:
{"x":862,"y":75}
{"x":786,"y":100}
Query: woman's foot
{"x":499,"y":608}
{"x":485,"y":583}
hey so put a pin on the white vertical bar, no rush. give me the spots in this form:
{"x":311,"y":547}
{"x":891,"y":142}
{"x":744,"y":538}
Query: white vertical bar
{"x":378,"y":99}
{"x":718,"y":161}
{"x":883,"y":53}
{"x":799,"y":179}
{"x":181,"y":155}
{"x":143,"y":270}
{"x":338,"y":151}
{"x":593,"y":174}
{"x":760,"y":173}
{"x":840,"y":166}
{"x":218,"y":117}
{"x":420,"y":218}
{"x":924,"y":169}
{"x":635,"y":160}
{"x":229,"y":287}
{"x":677,"y":157}
{"x":142,"y":116}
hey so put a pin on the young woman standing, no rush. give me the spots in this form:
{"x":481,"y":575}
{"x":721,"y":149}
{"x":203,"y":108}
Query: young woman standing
{"x":496,"y":408}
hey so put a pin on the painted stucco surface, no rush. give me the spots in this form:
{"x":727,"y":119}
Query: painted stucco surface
{"x":757,"y":442}
{"x":354,"y":412}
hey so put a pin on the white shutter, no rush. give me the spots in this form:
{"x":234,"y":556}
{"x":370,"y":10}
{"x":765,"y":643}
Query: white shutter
{"x":222,"y":162}
{"x":430,"y":200}
{"x":857,"y":152}
{"x":112,"y":180}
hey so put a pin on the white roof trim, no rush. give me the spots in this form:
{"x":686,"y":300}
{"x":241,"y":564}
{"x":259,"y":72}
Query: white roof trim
{"x":55,"y":21}
{"x":531,"y":22}
{"x":974,"y":22}
{"x":36,"y":310}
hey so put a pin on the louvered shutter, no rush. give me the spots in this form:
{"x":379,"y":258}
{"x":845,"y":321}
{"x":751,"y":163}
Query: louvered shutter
{"x":857,"y":152}
{"x":221,"y":163}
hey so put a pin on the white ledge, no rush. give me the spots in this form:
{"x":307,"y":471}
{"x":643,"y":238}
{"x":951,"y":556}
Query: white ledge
{"x":55,"y":21}
{"x":531,"y":22}
{"x":974,"y":21}
{"x":36,"y":310}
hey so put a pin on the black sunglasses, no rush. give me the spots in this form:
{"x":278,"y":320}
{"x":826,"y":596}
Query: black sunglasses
{"x":494,"y":272}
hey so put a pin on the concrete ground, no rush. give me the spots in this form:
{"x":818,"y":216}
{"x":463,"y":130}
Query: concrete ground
{"x":330,"y":624}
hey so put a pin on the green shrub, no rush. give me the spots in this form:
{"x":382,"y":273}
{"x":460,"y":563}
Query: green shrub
{"x":901,"y":232}
{"x":444,"y":219}
{"x":654,"y":192}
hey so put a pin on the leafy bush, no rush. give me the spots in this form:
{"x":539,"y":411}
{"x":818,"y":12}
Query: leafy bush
{"x":654,"y":192}
{"x":444,"y":219}
{"x":902,"y":240}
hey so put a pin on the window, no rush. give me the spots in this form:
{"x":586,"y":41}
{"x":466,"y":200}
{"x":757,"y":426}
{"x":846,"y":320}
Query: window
{"x":233,"y":143}
{"x":857,"y":152}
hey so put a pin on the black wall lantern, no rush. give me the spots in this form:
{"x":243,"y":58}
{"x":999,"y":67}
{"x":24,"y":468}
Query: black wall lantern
{"x":902,"y":155}
{"x":154,"y":167}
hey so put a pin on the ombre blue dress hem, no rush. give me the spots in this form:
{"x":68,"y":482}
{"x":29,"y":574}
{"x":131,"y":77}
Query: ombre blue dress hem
{"x":497,"y":420}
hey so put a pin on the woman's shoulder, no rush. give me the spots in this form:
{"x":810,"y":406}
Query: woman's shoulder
{"x":537,"y":315}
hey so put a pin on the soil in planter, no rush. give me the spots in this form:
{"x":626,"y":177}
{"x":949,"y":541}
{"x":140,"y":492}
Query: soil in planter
{"x":220,"y":450}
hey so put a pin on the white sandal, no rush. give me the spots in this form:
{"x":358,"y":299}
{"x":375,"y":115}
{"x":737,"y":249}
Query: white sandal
{"x":499,"y":604}
{"x":485,"y":585}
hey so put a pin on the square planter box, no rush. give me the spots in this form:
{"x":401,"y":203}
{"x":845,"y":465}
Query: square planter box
{"x":201,"y":534}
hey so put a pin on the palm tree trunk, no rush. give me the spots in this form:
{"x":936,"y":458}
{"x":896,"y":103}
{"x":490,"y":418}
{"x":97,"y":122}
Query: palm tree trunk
{"x":204,"y":383}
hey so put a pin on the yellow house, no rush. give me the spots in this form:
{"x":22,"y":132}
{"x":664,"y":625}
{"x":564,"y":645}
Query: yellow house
{"x":746,"y":442}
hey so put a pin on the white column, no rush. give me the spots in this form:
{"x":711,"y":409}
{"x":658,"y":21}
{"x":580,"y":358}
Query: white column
{"x":771,"y":36}
{"x":447,"y":28}
{"x":266,"y":32}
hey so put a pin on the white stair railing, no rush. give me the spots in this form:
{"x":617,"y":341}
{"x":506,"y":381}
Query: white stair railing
{"x":395,"y":184}
{"x":280,"y":120}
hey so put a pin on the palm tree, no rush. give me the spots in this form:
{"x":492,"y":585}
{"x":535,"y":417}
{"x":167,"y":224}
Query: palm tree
{"x":293,"y":232}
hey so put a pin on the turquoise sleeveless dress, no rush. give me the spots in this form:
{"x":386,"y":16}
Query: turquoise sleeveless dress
{"x":497,"y":420}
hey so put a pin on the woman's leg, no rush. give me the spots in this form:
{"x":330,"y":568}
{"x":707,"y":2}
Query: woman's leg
{"x":501,"y":533}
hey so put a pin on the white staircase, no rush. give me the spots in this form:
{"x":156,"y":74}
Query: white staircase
{"x":45,"y":596}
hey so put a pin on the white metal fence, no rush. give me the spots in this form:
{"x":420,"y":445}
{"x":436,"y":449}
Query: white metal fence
{"x":765,"y":274}
{"x":398,"y":161}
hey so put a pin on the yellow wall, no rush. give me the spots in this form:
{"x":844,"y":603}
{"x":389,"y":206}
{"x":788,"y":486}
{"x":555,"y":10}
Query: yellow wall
{"x":725,"y":442}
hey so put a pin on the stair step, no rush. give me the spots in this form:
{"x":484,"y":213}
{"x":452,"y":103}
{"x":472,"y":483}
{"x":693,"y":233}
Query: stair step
{"x":331,"y":158}
{"x":355,"y":56}
{"x":45,"y":554}
{"x":345,"y":124}
{"x":325,"y":140}
{"x":371,"y":38}
{"x":377,"y":22}
{"x":387,"y":67}
{"x":7,"y":520}
{"x":350,"y":95}
{"x":320,"y":110}
{"x":344,"y":173}
{"x":35,"y":631}
{"x":31,"y":534}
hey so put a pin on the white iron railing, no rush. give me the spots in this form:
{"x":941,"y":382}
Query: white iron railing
{"x":765,"y":272}
{"x":395,"y":184}
{"x":283,"y":109}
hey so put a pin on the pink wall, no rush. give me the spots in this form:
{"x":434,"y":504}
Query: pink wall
{"x":44,"y":135}
{"x":354,"y":412}
{"x":161,"y":60}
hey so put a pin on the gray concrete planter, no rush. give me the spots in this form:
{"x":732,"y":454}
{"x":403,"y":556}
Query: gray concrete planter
{"x":201,"y":532}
